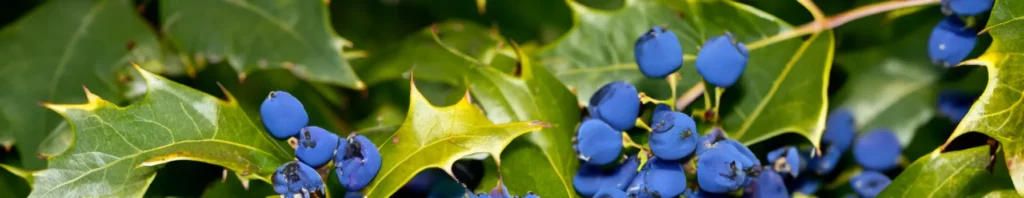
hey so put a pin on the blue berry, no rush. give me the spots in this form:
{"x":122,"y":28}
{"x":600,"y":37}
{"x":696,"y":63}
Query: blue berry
{"x":673,"y":136}
{"x":722,"y":60}
{"x":598,"y":143}
{"x":283,"y":115}
{"x":590,"y":179}
{"x":662,"y":108}
{"x":966,"y":7}
{"x":785,"y":160}
{"x":769,"y":184}
{"x":617,"y":103}
{"x":749,"y":160}
{"x":840,"y":128}
{"x":719,"y":169}
{"x":424,"y":180}
{"x":531,"y":195}
{"x":951,"y":42}
{"x":806,"y":185}
{"x":316,"y":146}
{"x":663,"y":178}
{"x":869,"y":183}
{"x":878,"y":150}
{"x":824,"y":164}
{"x":707,"y":141}
{"x":636,"y":187}
{"x":658,"y":53}
{"x":955,"y":104}
{"x":610,"y":193}
{"x":359,"y":164}
{"x":294,"y":178}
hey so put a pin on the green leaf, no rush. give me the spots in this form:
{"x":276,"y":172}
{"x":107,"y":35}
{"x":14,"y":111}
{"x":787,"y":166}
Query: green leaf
{"x":547,"y":156}
{"x":998,"y":112}
{"x":893,"y":86}
{"x":783,"y":89}
{"x":116,"y":149}
{"x":55,"y":49}
{"x":256,"y":35}
{"x":954,"y":174}
{"x":431,"y":62}
{"x":435,"y":137}
{"x":231,"y":186}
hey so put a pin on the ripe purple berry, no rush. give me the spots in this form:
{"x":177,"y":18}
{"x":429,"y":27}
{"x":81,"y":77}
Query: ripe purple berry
{"x":359,"y":164}
{"x":283,"y":115}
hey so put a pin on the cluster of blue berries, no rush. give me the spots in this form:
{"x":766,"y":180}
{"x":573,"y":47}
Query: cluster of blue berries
{"x":952,"y":40}
{"x":876,"y":151}
{"x":722,"y":165}
{"x":356,"y":159}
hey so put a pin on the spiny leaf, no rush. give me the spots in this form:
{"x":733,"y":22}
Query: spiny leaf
{"x":435,"y":137}
{"x":535,"y":94}
{"x":116,"y":149}
{"x":263,"y":34}
{"x":783,"y":89}
{"x":954,"y":174}
{"x":52,"y":51}
{"x":998,"y":113}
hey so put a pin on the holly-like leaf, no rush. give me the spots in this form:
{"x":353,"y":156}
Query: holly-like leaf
{"x":998,"y":113}
{"x":254,"y":35}
{"x":961,"y":173}
{"x":435,"y":137}
{"x":116,"y":149}
{"x":52,"y":51}
{"x":783,"y":89}
{"x":548,"y":155}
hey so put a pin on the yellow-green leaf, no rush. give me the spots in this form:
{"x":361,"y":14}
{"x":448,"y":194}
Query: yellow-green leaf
{"x":954,"y":174}
{"x":116,"y":150}
{"x":998,"y":113}
{"x":262,"y":34}
{"x":435,"y":137}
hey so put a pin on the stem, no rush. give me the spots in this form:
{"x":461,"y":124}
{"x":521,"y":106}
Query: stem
{"x":640,"y":123}
{"x":838,"y":20}
{"x":691,"y":95}
{"x":718,"y":102}
{"x":644,"y":99}
{"x":673,"y":79}
{"x":628,"y":141}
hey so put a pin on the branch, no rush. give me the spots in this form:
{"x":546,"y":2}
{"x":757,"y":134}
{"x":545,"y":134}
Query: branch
{"x":840,"y":19}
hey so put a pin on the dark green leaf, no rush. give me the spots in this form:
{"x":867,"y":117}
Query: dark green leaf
{"x":51,"y":52}
{"x":256,"y":35}
{"x":115,"y":149}
{"x":954,"y":174}
{"x":998,"y":112}
{"x":891,"y":86}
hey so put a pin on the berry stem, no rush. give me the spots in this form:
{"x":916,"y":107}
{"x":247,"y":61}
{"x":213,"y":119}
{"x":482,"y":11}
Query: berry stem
{"x":691,"y":95}
{"x":838,"y":20}
{"x":718,"y":102}
{"x":644,"y":99}
{"x":640,"y":123}
{"x":673,"y":80}
{"x":628,"y":142}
